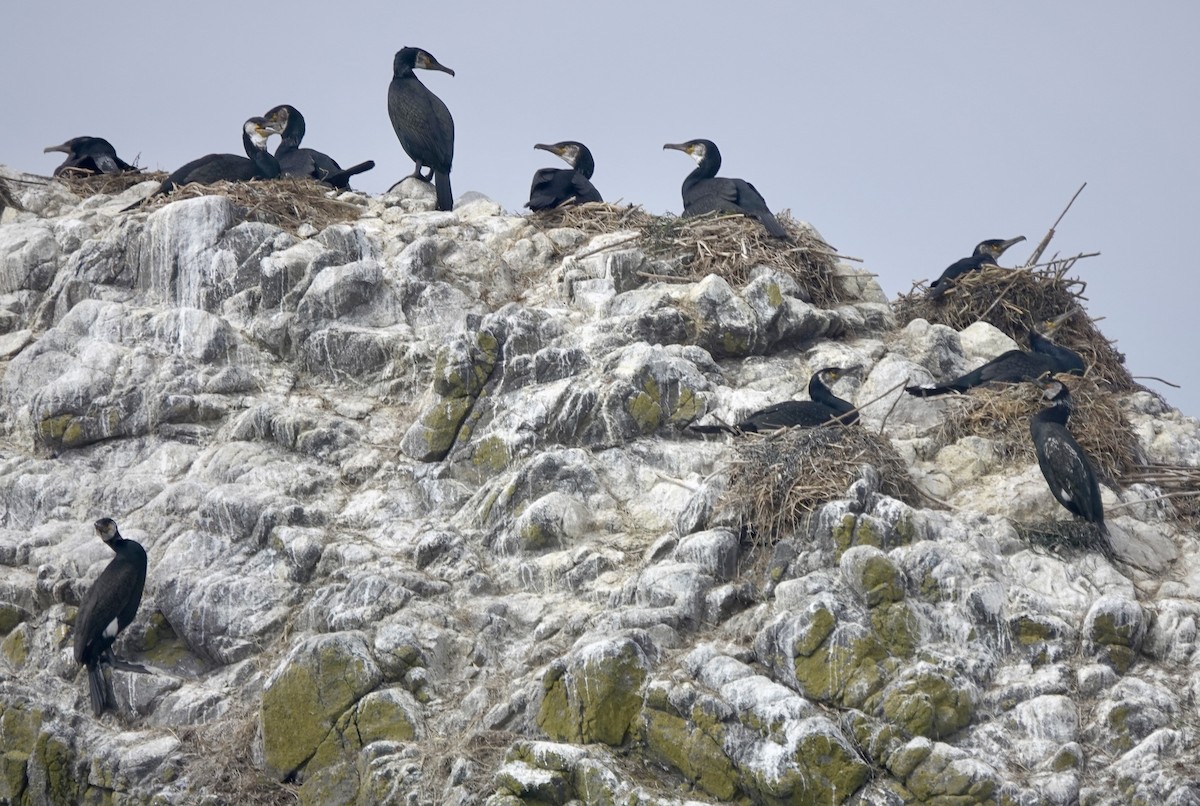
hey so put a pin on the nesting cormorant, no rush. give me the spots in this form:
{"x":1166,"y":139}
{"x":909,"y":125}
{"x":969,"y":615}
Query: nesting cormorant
{"x":1066,"y":467}
{"x":1013,"y":366}
{"x":93,"y":155}
{"x":109,"y":607}
{"x":422,"y":122}
{"x":704,"y":192}
{"x":985,"y":254}
{"x":257,"y":164}
{"x":554,"y":186}
{"x":824,"y":408}
{"x":308,"y":162}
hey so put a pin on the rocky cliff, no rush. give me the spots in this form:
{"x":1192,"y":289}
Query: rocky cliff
{"x":425,"y":526}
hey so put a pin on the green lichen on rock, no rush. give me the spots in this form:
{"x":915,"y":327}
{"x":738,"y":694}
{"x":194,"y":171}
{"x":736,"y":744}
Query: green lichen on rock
{"x":896,"y":626}
{"x":645,"y":408}
{"x":55,"y":774}
{"x":928,"y":704}
{"x":13,"y":779}
{"x":10,"y":616}
{"x":304,"y":698}
{"x":491,"y":455}
{"x":534,"y":785}
{"x":851,"y":666}
{"x":676,"y":742}
{"x":437,"y":429}
{"x":16,"y":645}
{"x":843,"y":534}
{"x":595,"y":696}
{"x":939,"y":778}
{"x":825,"y":771}
{"x":687,"y":406}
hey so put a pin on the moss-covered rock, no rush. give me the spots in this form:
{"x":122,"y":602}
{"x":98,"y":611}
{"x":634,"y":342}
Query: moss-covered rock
{"x":928,"y":703}
{"x":305,"y":696}
{"x":1113,"y":630}
{"x":432,"y":436}
{"x":56,"y":775}
{"x":594,"y":696}
{"x":15,"y":646}
{"x":872,"y":576}
{"x":948,"y":776}
{"x":391,"y":715}
{"x":679,"y":744}
{"x":10,"y":616}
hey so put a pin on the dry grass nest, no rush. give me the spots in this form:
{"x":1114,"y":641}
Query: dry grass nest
{"x":1002,"y":414}
{"x":86,"y":184}
{"x":1180,"y":485}
{"x":1013,"y":300}
{"x":728,"y":245}
{"x":777,"y":479}
{"x":287,"y":202}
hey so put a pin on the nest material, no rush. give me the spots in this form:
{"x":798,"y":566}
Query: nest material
{"x":287,"y":202}
{"x":1002,"y":414}
{"x":1014,"y":300}
{"x":777,"y":479}
{"x":1180,"y":484}
{"x":1072,"y":534}
{"x":730,"y":246}
{"x":86,"y":184}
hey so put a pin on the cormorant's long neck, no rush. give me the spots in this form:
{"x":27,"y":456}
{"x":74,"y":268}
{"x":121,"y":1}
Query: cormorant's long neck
{"x":707,"y":169}
{"x":1058,"y":413}
{"x":293,"y":133}
{"x":267,"y":165}
{"x":585,"y":165}
{"x":821,"y":393}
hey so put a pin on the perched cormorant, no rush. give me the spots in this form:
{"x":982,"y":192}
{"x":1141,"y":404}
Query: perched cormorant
{"x":257,"y":164}
{"x":1066,"y":467}
{"x":554,"y":186}
{"x":1013,"y":366}
{"x":297,"y":161}
{"x":109,"y":607}
{"x":823,"y":409}
{"x":703,"y":192}
{"x":90,"y":155}
{"x":985,"y":254}
{"x":422,"y":122}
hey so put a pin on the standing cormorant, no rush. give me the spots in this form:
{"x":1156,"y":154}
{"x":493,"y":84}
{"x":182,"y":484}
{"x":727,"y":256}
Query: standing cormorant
{"x":1012,"y":366}
{"x":109,"y":607}
{"x":422,"y":122}
{"x":554,"y":186}
{"x":93,"y":155}
{"x":308,"y":162}
{"x":257,"y":164}
{"x":703,"y":192}
{"x":1066,"y":467}
{"x":824,"y":408}
{"x":985,"y":254}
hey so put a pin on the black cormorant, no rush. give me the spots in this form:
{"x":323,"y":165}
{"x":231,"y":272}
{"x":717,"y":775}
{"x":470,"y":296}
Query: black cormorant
{"x":1013,"y":366}
{"x":93,"y":155}
{"x":985,"y":254}
{"x":824,"y":408}
{"x":703,"y":192}
{"x":422,"y":122}
{"x":109,"y":607}
{"x":1066,"y":467}
{"x":257,"y":164}
{"x":308,"y":162}
{"x":554,"y":186}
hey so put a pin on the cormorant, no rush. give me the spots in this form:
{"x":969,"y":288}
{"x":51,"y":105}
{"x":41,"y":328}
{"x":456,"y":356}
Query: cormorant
{"x":257,"y":164}
{"x":1066,"y":467}
{"x":422,"y":122}
{"x":1013,"y":366}
{"x":109,"y":607}
{"x":554,"y":186}
{"x":93,"y":155}
{"x":308,"y":162}
{"x":985,"y":254}
{"x":703,"y":192}
{"x":824,"y":408}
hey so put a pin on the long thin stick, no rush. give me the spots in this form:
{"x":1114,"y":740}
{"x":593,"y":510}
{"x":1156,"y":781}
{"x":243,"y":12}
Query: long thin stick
{"x":1041,"y":247}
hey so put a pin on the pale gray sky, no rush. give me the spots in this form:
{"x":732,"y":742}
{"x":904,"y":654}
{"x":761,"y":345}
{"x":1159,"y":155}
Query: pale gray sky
{"x":905,"y":132}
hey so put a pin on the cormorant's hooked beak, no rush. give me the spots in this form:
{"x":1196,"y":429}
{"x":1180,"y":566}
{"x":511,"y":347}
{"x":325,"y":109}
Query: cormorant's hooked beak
{"x":427,"y":62}
{"x":544,"y":147}
{"x":684,"y":147}
{"x":64,"y":148}
{"x":1003,"y":247}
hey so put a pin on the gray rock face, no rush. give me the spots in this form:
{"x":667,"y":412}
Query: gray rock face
{"x":426,"y":525}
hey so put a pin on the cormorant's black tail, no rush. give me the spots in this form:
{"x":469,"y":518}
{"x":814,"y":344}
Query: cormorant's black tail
{"x":445,"y":197}
{"x":98,"y":687}
{"x":772,"y":225}
{"x":341,"y":179}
